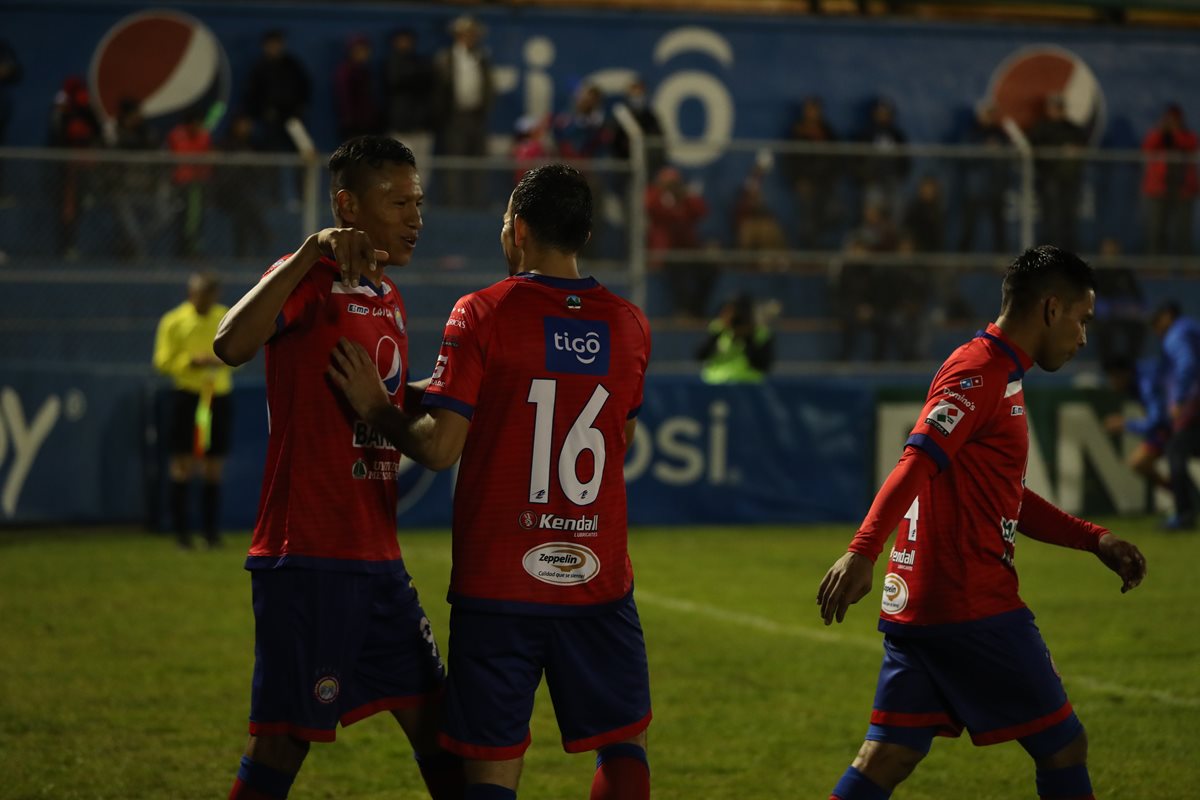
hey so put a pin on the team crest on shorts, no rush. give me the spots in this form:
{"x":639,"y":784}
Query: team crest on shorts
{"x":326,"y":689}
{"x":895,"y":594}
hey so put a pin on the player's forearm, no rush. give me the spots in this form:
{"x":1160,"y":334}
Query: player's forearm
{"x":414,"y":392}
{"x":414,"y":436}
{"x":1042,"y":521}
{"x":905,"y":482}
{"x":251,"y":322}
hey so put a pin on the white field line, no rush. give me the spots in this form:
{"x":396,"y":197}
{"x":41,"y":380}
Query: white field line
{"x":764,"y":625}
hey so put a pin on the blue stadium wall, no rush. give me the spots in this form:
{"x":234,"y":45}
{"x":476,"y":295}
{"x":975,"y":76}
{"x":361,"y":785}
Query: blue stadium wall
{"x":713,"y":78}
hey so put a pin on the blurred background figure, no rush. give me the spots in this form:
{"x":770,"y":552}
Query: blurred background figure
{"x":1170,"y":184}
{"x":1119,"y":328}
{"x":924,"y":220}
{"x":190,"y":137}
{"x":354,"y":92}
{"x":199,"y":430}
{"x":238,"y":192}
{"x":812,"y":177}
{"x":463,"y":94}
{"x":674,"y":211}
{"x":863,"y":288}
{"x":647,"y":119}
{"x":134,"y":188}
{"x":740,"y":347}
{"x":755,"y":225}
{"x":1141,"y":382}
{"x":278,"y":89}
{"x":408,"y":86}
{"x":1059,"y":174}
{"x":531,"y":143}
{"x":881,"y":177}
{"x":1180,"y":337}
{"x":10,"y":76}
{"x":73,"y":124}
{"x":985,"y":181}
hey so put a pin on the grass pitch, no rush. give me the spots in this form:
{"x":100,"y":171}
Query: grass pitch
{"x":126,"y":671}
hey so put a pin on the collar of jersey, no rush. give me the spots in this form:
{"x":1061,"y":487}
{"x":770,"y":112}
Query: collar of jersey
{"x":378,"y":291}
{"x":578,"y":284}
{"x":1022,"y":361}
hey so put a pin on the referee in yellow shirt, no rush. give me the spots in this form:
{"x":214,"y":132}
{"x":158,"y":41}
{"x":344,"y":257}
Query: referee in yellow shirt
{"x":201,"y":410}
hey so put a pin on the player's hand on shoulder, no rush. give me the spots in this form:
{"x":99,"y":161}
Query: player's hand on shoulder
{"x":353,"y":252}
{"x":846,"y":582}
{"x":1123,"y":558}
{"x":353,"y":371}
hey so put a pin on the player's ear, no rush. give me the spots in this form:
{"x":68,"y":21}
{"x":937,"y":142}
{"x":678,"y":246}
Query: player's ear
{"x":346,"y":205}
{"x":520,"y":230}
{"x":1051,"y":308}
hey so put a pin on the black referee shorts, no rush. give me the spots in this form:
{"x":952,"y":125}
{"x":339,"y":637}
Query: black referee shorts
{"x":183,"y":423}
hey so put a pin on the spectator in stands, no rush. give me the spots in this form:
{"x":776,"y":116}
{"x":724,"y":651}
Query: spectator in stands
{"x":190,"y":137}
{"x":639,"y":106}
{"x":674,"y":211}
{"x":463,"y":95}
{"x":882,"y":176}
{"x":277,"y":90}
{"x":583,"y":132}
{"x":134,"y":186}
{"x":1170,"y":186}
{"x":73,"y":125}
{"x":354,"y":92}
{"x":1060,"y":174}
{"x":237,"y":192}
{"x":1180,"y":337}
{"x":863,"y":287}
{"x":531,"y":143}
{"x":408,"y":84}
{"x":755,"y":226}
{"x":10,"y":76}
{"x":985,"y":181}
{"x":740,"y":347}
{"x":200,"y":428}
{"x":813,"y":177}
{"x":1119,"y":328}
{"x":924,"y":219}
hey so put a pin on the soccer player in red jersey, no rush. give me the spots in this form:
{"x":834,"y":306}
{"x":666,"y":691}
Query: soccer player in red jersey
{"x":960,"y":647}
{"x":339,"y":631}
{"x":537,"y":386}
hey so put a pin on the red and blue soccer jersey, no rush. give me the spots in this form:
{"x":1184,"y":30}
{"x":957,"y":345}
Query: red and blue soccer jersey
{"x":329,"y":487}
{"x":549,"y":371}
{"x":952,"y":561}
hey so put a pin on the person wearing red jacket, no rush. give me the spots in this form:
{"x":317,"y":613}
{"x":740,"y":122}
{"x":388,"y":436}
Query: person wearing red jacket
{"x":674,"y":211}
{"x":1170,"y":184}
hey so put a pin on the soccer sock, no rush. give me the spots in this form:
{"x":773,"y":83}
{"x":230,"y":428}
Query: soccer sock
{"x":856,"y":786}
{"x":622,"y":773}
{"x":1066,"y":783}
{"x":488,"y":791}
{"x":210,"y":506}
{"x":443,"y":775}
{"x":259,"y":782}
{"x":179,"y":515}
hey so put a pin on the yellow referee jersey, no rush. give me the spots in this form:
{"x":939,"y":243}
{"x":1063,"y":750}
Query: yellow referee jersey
{"x":183,"y":335}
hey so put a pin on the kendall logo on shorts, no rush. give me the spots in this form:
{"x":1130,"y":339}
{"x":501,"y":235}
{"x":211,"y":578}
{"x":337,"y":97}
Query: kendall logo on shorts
{"x":895,"y":594}
{"x":561,"y":563}
{"x":577,"y":346}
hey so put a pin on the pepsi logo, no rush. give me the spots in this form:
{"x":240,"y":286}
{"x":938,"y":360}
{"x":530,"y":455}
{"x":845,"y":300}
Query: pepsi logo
{"x":1023,"y":81}
{"x":390,"y":364}
{"x":166,"y":60}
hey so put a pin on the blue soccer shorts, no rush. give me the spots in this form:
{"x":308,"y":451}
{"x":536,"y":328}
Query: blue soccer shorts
{"x":997,"y":680}
{"x":595,"y":668}
{"x":336,"y":647}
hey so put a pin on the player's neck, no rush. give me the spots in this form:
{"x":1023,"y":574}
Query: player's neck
{"x":552,"y":265}
{"x":1024,"y":335}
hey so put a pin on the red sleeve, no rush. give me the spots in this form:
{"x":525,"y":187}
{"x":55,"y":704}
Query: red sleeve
{"x":639,"y":393}
{"x":905,"y":482}
{"x":458,"y":373}
{"x":299,"y":306}
{"x":962,"y":400}
{"x":1042,"y":521}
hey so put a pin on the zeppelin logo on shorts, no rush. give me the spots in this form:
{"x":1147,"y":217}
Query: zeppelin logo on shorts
{"x":944,"y":416}
{"x":895,"y":594}
{"x":561,"y":563}
{"x":326,"y":689}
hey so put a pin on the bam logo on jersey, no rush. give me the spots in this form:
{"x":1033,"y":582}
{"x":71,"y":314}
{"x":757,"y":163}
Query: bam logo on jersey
{"x":944,"y":416}
{"x":366,"y":436}
{"x":576,"y":346}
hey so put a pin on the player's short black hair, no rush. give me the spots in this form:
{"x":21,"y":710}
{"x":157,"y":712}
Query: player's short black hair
{"x":1168,"y":309}
{"x":351,"y":163}
{"x":556,"y":204}
{"x":1041,"y":271}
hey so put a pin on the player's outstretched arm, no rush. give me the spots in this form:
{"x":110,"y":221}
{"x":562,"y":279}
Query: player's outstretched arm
{"x":434,"y":438}
{"x":251,"y":322}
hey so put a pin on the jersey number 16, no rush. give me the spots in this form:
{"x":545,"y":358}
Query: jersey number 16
{"x":581,"y":437}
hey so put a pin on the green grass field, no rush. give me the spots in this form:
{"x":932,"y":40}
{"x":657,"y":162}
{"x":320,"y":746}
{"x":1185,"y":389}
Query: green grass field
{"x":126,"y":664}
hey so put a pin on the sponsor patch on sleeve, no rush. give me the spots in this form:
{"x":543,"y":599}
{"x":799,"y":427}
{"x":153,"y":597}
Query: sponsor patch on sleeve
{"x":944,"y":416}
